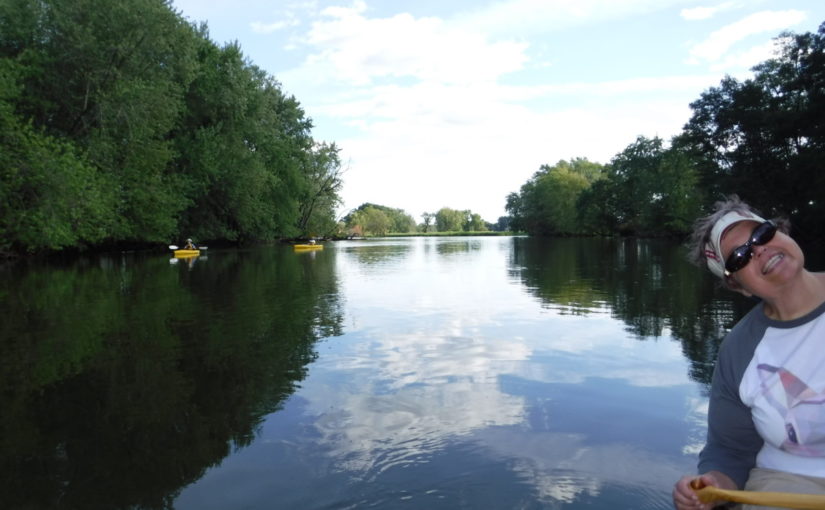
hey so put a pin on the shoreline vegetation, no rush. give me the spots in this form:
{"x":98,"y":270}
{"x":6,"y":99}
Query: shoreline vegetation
{"x":453,"y":234}
{"x":123,"y":126}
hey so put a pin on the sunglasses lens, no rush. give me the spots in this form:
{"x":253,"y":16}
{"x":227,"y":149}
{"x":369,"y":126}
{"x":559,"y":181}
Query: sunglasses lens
{"x":738,"y":259}
{"x":742,"y":255}
{"x":763,"y":233}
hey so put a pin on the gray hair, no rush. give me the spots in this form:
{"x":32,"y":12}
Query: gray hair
{"x":703,"y":226}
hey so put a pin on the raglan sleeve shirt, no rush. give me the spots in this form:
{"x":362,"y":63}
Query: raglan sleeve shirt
{"x":732,"y":442}
{"x":761,"y":364}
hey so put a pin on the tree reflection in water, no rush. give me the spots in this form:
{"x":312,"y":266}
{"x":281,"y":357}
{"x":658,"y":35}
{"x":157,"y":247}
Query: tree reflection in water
{"x":125,"y":378}
{"x":645,"y":283}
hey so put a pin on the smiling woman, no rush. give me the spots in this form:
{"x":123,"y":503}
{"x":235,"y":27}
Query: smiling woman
{"x":767,"y":413}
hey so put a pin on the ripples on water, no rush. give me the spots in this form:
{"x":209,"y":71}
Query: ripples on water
{"x":393,"y":373}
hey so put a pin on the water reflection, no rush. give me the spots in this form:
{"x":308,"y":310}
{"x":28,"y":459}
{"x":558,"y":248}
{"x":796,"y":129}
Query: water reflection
{"x":125,"y":378}
{"x":416,"y":391}
{"x":457,"y":246}
{"x":453,"y":387}
{"x":645,"y":283}
{"x":424,"y":372}
{"x":376,"y":252}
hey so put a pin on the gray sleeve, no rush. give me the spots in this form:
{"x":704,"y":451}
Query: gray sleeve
{"x":733,"y":442}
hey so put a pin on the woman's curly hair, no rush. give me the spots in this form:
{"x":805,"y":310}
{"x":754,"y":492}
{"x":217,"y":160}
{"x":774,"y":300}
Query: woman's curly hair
{"x":703,"y":226}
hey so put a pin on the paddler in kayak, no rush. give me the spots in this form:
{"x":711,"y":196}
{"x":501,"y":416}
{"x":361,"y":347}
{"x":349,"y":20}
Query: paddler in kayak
{"x":766,"y":418}
{"x":189,"y":245}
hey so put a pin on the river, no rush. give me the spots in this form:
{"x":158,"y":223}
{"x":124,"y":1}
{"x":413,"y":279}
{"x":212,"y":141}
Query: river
{"x":438,"y":372}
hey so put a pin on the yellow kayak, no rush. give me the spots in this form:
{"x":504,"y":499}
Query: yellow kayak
{"x":186,"y":253}
{"x":308,"y":246}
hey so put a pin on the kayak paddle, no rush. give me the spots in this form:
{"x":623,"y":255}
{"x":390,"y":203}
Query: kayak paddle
{"x":778,"y":499}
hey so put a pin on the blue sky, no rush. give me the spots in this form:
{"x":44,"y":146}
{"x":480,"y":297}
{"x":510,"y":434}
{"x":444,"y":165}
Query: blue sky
{"x":457,"y":103}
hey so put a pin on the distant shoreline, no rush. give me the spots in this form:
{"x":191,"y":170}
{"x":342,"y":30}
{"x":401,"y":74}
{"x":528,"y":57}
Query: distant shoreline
{"x":451,"y":234}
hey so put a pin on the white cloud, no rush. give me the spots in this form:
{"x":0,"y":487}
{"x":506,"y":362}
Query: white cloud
{"x":702,"y":13}
{"x":565,"y":467}
{"x":433,"y":116}
{"x":540,"y":16}
{"x":486,"y":145}
{"x":435,"y":388}
{"x":715,"y":47}
{"x":427,"y":109}
{"x":358,"y":50}
{"x":263,"y":28}
{"x":747,"y":59}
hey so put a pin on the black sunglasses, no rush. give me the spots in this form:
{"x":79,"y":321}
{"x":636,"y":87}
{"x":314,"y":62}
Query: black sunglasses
{"x":740,"y":257}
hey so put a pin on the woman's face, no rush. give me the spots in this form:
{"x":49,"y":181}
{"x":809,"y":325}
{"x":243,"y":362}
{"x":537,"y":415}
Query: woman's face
{"x":771,"y":266}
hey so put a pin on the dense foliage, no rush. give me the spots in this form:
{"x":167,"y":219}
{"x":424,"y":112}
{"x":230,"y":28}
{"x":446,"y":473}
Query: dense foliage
{"x":762,"y":138}
{"x":452,"y":220}
{"x":141,"y":375}
{"x":377,"y":220}
{"x":121,"y":122}
{"x":374,"y":219}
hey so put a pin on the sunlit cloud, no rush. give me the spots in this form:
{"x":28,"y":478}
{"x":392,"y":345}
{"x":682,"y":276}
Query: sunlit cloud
{"x":703,"y":13}
{"x":417,"y":393}
{"x":564,"y":467}
{"x":540,"y":16}
{"x":697,"y":417}
{"x":351,"y":47}
{"x":719,"y":43}
{"x":432,"y":90}
{"x":263,"y":28}
{"x":747,"y":59}
{"x":432,"y":101}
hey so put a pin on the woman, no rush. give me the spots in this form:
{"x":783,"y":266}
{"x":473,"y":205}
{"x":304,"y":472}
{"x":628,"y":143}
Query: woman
{"x":766,"y":420}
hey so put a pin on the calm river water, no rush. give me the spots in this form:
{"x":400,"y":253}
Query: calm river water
{"x":455,"y":373}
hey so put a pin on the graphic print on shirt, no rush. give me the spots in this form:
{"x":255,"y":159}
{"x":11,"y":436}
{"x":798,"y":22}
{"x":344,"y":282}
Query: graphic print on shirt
{"x":801,"y":407}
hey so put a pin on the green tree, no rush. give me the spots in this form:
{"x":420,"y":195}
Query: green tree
{"x":399,"y":220}
{"x":597,"y":208}
{"x":428,"y":219}
{"x":654,"y":189}
{"x":546,"y":204}
{"x":51,"y":197}
{"x":450,"y":220}
{"x":633,"y":173}
{"x":109,"y":75}
{"x":372,"y":220}
{"x":155,"y":131}
{"x":515,"y":208}
{"x":317,"y":207}
{"x":764,"y":138}
{"x":247,"y":154}
{"x":475,"y":223}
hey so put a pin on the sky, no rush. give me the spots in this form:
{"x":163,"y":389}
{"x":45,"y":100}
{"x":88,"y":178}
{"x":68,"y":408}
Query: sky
{"x":458,"y":103}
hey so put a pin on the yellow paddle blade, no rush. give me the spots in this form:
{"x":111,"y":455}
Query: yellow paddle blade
{"x":777,"y":499}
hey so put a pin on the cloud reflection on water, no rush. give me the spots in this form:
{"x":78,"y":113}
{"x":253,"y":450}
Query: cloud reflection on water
{"x":413,"y":394}
{"x":405,"y":399}
{"x":422,"y":371}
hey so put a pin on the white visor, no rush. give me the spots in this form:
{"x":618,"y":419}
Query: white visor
{"x":713,"y":248}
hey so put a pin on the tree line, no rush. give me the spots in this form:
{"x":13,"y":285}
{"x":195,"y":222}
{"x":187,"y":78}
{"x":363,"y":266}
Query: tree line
{"x":762,"y":138}
{"x":378,"y":220}
{"x":123,"y":123}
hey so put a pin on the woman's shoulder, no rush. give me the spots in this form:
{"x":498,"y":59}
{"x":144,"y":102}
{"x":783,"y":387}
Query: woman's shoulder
{"x":742,"y":339}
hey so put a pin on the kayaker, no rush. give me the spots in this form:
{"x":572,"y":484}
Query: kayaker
{"x":766,"y":418}
{"x":189,"y":245}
